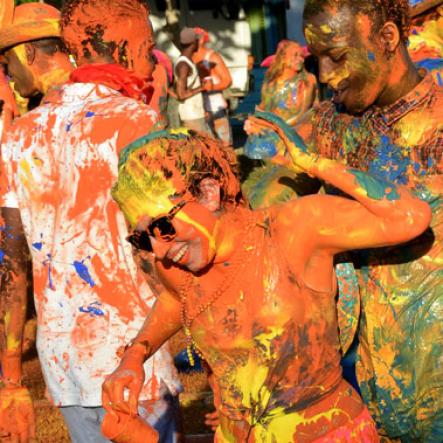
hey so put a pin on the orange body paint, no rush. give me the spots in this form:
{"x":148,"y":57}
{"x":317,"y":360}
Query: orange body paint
{"x":126,"y":33}
{"x":260,"y":306}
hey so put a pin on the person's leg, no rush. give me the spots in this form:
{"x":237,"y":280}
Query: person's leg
{"x":84,"y":424}
{"x":222,"y":127}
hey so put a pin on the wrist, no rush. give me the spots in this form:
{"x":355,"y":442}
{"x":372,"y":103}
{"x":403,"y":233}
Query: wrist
{"x":138,"y":349}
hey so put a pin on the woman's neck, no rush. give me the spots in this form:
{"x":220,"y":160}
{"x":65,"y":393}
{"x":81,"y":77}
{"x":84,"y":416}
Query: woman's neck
{"x":232,"y":227}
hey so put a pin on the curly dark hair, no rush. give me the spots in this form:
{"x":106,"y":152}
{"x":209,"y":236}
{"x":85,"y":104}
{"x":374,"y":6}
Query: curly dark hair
{"x":380,"y":11}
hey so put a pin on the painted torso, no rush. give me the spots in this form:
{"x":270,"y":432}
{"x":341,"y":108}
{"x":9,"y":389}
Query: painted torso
{"x":401,"y":287}
{"x":272,"y":342}
{"x":90,"y":298}
{"x":289,"y":98}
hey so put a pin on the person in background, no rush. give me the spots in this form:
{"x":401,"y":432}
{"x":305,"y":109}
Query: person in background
{"x":288,"y":91}
{"x":60,"y":160}
{"x":212,"y":69}
{"x":188,"y":87}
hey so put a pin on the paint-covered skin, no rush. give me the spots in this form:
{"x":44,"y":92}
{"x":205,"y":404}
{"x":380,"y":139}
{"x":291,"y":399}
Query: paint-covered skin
{"x":90,"y":298}
{"x":353,"y":62}
{"x":9,"y":108}
{"x":399,"y":138}
{"x":126,"y":33}
{"x":288,"y":91}
{"x":262,"y":300}
{"x":159,"y":100}
{"x":401,"y":288}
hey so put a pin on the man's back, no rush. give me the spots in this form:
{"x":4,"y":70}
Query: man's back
{"x":91,"y":299}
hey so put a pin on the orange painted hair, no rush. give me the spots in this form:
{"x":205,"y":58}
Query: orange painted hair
{"x":102,"y":26}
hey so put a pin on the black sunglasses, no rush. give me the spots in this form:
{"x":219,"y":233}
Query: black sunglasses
{"x":160,"y":227}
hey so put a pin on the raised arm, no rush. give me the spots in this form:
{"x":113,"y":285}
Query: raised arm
{"x":163,"y":321}
{"x":220,"y":72}
{"x":381,"y":213}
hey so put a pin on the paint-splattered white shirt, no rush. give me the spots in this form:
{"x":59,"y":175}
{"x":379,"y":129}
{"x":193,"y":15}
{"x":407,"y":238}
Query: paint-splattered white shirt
{"x":61,"y":162}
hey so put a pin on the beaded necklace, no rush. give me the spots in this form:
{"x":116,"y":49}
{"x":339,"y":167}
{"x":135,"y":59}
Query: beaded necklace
{"x":242,"y":257}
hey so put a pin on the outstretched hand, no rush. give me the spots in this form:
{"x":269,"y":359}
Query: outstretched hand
{"x":17,"y":420}
{"x":129,"y":376}
{"x":293,"y":144}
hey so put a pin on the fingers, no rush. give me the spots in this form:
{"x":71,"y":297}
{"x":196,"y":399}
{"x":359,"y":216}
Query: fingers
{"x":134,"y":393}
{"x":212,"y":420}
{"x":113,"y":394}
{"x":106,"y":401}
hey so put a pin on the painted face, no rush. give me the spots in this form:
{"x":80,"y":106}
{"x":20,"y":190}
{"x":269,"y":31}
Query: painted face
{"x":350,"y":62}
{"x":294,"y":58}
{"x":184,"y":235}
{"x":19,"y":71}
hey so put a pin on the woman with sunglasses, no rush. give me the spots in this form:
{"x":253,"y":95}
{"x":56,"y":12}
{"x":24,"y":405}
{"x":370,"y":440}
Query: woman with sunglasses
{"x":254,"y":290}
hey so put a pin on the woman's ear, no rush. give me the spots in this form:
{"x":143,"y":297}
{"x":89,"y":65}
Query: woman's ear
{"x":209,"y":194}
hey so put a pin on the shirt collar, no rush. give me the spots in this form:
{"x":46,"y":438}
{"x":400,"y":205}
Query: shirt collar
{"x":77,"y":92}
{"x":391,"y":113}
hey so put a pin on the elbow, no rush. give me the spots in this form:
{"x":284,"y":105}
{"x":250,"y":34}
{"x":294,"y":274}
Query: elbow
{"x":419,"y":219}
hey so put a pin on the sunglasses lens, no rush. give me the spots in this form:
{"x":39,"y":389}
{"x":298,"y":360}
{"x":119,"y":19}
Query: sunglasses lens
{"x":162,"y":227}
{"x":140,"y":240}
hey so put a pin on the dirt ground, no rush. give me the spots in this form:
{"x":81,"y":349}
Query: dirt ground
{"x":195,"y":401}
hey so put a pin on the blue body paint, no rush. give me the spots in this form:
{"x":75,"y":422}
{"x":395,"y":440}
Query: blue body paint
{"x":375,"y":188}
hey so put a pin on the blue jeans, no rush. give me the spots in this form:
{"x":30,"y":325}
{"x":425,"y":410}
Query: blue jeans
{"x":84,"y":423}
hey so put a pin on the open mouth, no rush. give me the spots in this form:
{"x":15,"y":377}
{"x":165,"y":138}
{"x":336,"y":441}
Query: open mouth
{"x":180,"y":254}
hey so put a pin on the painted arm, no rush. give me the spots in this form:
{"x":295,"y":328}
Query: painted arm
{"x":16,"y":410}
{"x":181,"y":88}
{"x":8,"y":109}
{"x":380,"y":213}
{"x":221,"y":73}
{"x":163,"y":321}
